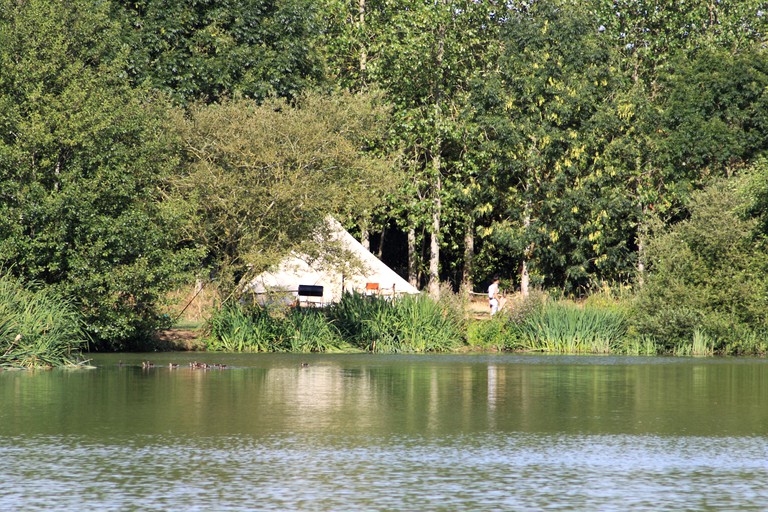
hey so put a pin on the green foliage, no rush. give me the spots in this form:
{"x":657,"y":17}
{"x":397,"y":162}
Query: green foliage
{"x":235,"y":329}
{"x":713,"y":106}
{"x":37,"y":327}
{"x":84,"y":166}
{"x":552,"y":132}
{"x":568,"y":328}
{"x":649,"y":32}
{"x":408,"y":324}
{"x":308,"y":330}
{"x":238,"y":328}
{"x":709,"y":273}
{"x":263,"y":177}
{"x":553,"y":206}
{"x":639,"y":346}
{"x":205,"y":50}
{"x":493,"y":334}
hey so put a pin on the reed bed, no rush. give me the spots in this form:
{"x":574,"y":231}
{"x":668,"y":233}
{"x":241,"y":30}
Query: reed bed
{"x":567,"y":328}
{"x":701,"y":344}
{"x":255,"y":329}
{"x":240,"y":329}
{"x":357,"y":322}
{"x":407,"y":324}
{"x":38,"y":329}
{"x":640,"y":346}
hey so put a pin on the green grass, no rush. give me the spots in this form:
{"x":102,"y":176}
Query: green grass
{"x":564,"y":327}
{"x":640,"y":346}
{"x":407,"y":324}
{"x":38,"y":329}
{"x":255,"y":329}
{"x":374,"y":324}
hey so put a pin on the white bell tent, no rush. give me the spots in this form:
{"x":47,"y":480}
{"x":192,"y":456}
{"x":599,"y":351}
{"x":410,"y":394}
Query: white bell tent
{"x":323,"y":280}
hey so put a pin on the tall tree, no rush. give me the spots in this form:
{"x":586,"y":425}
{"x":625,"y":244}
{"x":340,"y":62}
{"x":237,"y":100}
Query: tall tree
{"x":539,"y":109}
{"x":84,"y":167}
{"x":655,"y":39}
{"x":425,"y":60}
{"x":263,"y":177}
{"x":206,"y":49}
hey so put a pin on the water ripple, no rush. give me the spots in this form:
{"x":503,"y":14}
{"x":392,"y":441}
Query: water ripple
{"x":325,"y":472}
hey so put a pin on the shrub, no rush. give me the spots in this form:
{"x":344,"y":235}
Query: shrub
{"x":708,"y":274}
{"x":491,"y":334}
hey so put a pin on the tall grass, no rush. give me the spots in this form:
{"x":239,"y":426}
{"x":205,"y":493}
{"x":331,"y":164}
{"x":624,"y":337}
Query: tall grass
{"x":406,"y":324}
{"x":38,"y":329}
{"x":701,"y":344}
{"x":308,"y":330}
{"x":640,"y":346}
{"x":568,"y":328}
{"x":239,"y":328}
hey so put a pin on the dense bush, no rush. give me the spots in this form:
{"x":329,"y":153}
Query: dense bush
{"x":709,"y":275}
{"x":37,"y":328}
{"x":493,"y":334}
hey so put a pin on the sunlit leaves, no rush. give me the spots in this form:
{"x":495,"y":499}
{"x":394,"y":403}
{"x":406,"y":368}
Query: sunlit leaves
{"x":263,"y":177}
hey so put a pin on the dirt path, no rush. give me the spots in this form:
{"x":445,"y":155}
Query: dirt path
{"x":180,"y":339}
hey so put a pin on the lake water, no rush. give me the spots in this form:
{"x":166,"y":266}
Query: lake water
{"x":377,"y":432}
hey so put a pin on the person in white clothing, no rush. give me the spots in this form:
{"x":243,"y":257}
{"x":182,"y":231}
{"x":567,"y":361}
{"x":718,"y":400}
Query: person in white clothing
{"x":493,"y":295}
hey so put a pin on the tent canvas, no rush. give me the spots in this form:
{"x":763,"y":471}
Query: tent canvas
{"x":366,"y":274}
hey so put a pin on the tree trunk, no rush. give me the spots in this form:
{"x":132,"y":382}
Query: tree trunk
{"x":380,"y":250}
{"x":365,"y":236}
{"x":413,"y":277}
{"x":642,"y":236}
{"x":524,"y":277}
{"x":469,"y":255}
{"x":363,"y":49}
{"x":434,"y":246}
{"x":437,"y":94}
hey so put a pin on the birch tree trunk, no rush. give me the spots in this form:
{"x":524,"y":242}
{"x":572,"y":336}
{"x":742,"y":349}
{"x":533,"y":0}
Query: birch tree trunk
{"x":642,"y":236}
{"x":434,"y":245}
{"x":365,"y":237}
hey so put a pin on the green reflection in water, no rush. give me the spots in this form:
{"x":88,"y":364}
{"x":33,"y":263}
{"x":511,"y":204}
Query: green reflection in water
{"x":274,"y":394}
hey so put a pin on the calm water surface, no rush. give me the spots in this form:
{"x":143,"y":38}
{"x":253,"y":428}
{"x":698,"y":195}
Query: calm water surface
{"x":374,"y":432}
